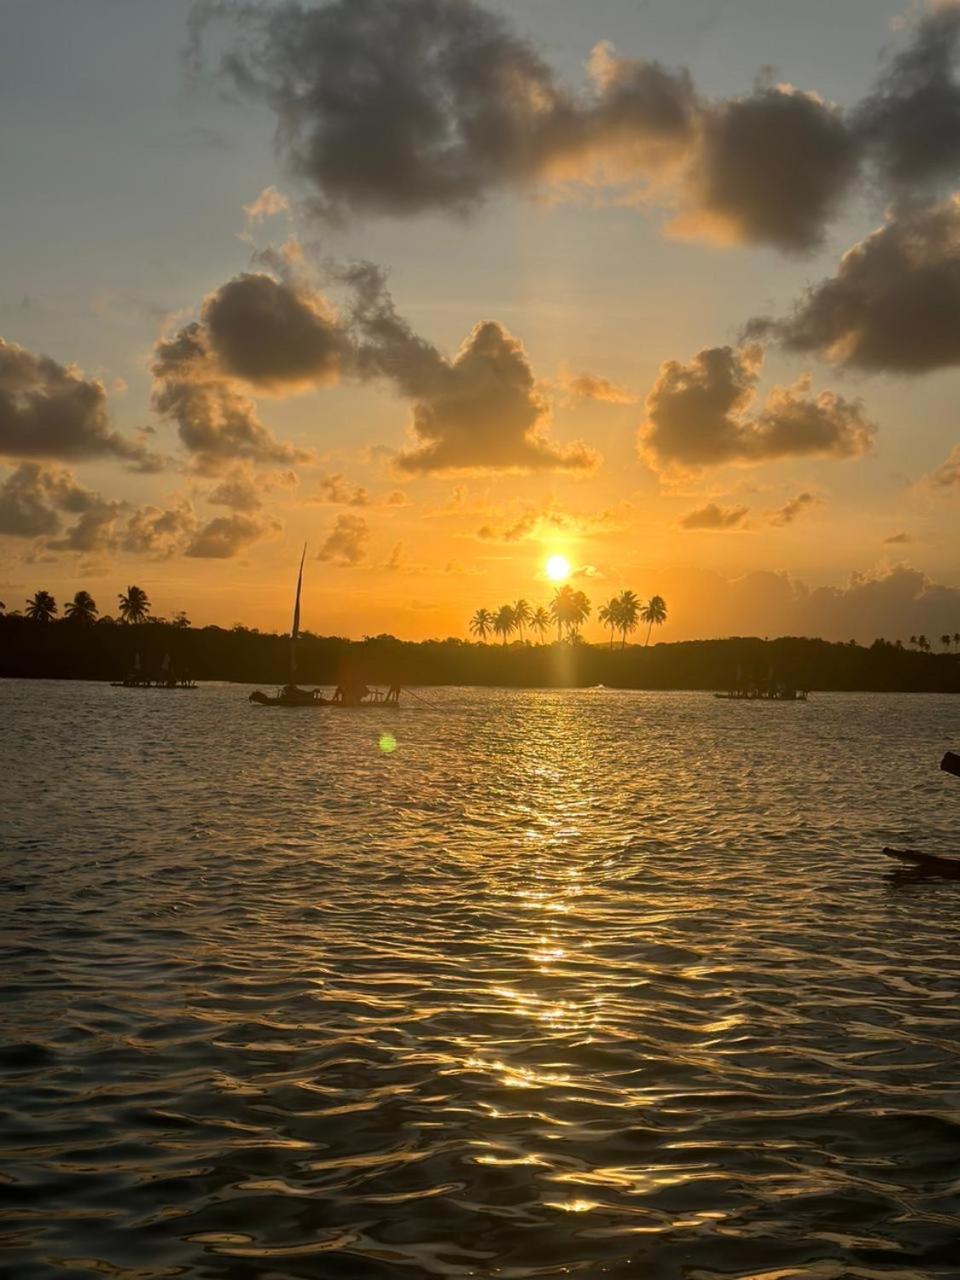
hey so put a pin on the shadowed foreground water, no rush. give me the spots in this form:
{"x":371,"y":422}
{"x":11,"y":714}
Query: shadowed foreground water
{"x":570,"y":983}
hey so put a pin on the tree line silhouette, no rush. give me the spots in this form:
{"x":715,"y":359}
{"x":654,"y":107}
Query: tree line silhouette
{"x":567,"y":611}
{"x":83,"y":644}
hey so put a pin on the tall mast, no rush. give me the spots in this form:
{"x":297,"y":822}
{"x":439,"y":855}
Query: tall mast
{"x":294,"y":630}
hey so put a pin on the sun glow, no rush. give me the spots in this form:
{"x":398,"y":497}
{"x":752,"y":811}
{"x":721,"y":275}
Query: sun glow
{"x":558,"y":568}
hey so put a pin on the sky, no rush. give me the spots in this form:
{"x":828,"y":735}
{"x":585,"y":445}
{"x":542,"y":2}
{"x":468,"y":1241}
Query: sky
{"x":443,"y":288}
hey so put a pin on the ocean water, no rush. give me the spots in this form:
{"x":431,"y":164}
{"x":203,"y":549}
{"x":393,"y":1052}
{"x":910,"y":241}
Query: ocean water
{"x":586,"y":983}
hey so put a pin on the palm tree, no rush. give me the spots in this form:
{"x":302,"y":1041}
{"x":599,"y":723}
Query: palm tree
{"x":522,"y":614}
{"x":540,"y":620}
{"x":609,"y":616}
{"x":181,"y":621}
{"x":82,"y":608}
{"x":946,"y":641}
{"x":956,"y":639}
{"x":923,"y":644}
{"x":913,"y":640}
{"x":628,"y":611}
{"x":42,"y":607}
{"x":562,"y":609}
{"x":481,"y":624}
{"x":653,"y":613}
{"x":134,"y":606}
{"x":504,"y":621}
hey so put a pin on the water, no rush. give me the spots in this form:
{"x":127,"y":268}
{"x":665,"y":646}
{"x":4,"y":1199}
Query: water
{"x":571,"y":983}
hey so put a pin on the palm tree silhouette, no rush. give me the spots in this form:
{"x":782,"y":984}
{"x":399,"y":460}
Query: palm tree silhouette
{"x":42,"y":607}
{"x":181,"y":621}
{"x":628,"y":613}
{"x":522,"y":614}
{"x":481,"y":624}
{"x":608,"y":615}
{"x":923,"y":644}
{"x":540,"y":620}
{"x":653,"y":613}
{"x":134,"y":606}
{"x":562,"y":609}
{"x":82,"y":608}
{"x":946,"y":641}
{"x":913,"y":640}
{"x":504,"y":621}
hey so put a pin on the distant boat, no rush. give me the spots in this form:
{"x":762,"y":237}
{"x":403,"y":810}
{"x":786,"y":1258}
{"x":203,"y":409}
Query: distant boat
{"x":354,"y":694}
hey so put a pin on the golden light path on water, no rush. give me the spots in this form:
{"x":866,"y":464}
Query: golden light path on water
{"x":521,"y":984}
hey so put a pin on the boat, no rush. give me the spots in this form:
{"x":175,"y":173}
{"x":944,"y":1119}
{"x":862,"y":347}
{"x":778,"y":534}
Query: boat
{"x":930,"y":864}
{"x":349,"y":693}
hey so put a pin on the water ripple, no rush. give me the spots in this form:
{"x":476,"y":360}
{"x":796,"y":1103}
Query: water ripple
{"x":584,"y":983}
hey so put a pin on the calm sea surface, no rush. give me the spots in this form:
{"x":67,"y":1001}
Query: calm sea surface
{"x":569,"y":983}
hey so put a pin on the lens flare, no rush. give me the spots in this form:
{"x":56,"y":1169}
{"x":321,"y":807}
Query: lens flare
{"x":388,"y":743}
{"x":558,"y":568}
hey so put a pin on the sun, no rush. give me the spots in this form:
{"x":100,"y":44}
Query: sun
{"x":558,"y":568}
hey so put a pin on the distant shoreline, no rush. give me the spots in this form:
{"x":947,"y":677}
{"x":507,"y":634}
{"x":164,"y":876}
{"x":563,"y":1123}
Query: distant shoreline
{"x":106,"y":652}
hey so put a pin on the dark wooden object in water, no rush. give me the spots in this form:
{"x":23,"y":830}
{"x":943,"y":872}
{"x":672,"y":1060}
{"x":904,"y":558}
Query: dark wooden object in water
{"x":927,"y":863}
{"x":951,"y":763}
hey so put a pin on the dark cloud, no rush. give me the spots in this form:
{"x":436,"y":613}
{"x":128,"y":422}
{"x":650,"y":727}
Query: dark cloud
{"x":899,"y":538}
{"x":479,"y":411}
{"x":893,"y":304}
{"x":216,"y":421}
{"x":407,"y":106}
{"x":698,"y":414}
{"x":713,"y":517}
{"x":49,"y":411}
{"x":770,"y":168}
{"x":157,"y":532}
{"x":32,"y":499}
{"x":910,"y":123}
{"x":794,"y":508}
{"x":225,"y":536}
{"x":272,"y":334}
{"x":346,"y":543}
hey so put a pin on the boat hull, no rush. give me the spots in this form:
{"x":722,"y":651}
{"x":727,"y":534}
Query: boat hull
{"x":927,"y":863}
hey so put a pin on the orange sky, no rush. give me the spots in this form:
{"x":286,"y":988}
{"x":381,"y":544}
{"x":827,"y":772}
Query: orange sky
{"x":615,"y":318}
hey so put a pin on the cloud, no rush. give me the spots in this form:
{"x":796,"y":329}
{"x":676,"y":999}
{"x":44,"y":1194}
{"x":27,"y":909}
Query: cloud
{"x":225,"y":536}
{"x":698,"y":415}
{"x":33,"y":498}
{"x":545,"y":522}
{"x":268,"y":204}
{"x":892,"y":602}
{"x":50,"y":411}
{"x":240,"y":490}
{"x":947,"y":475}
{"x":770,"y":168}
{"x":272,"y":334}
{"x":157,"y":532}
{"x":216,"y":420}
{"x":402,"y":107}
{"x":910,"y":123}
{"x":794,"y":508}
{"x":338,"y":491}
{"x":893,"y":303}
{"x":713,"y":517}
{"x":899,"y":538}
{"x":346,"y":543}
{"x":577,"y":388}
{"x":479,"y":411}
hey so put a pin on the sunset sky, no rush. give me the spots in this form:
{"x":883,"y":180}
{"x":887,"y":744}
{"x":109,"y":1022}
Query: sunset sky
{"x":670,"y":288}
